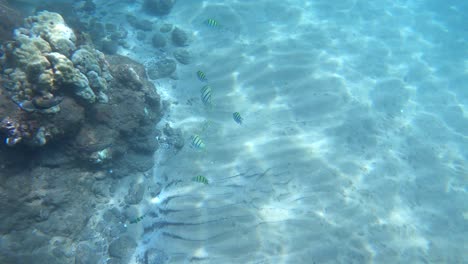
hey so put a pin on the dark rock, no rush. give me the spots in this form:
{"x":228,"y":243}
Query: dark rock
{"x":16,"y":213}
{"x":59,"y":252}
{"x":86,"y":254}
{"x":173,"y":137}
{"x":32,"y":257}
{"x":142,"y":24}
{"x":154,"y":101}
{"x":122,"y":248}
{"x":89,"y":6}
{"x":118,"y":36}
{"x":97,"y":30}
{"x":113,"y":216}
{"x":139,"y":162}
{"x":178,"y":142}
{"x":158,"y":40}
{"x":166,"y":28}
{"x":70,"y":117}
{"x":41,"y":198}
{"x":26,"y":241}
{"x":145,"y":145}
{"x":132,"y":20}
{"x":92,"y":138}
{"x":30,"y":207}
{"x":66,"y":222}
{"x":168,"y":130}
{"x":100,"y":189}
{"x":110,"y":27}
{"x":162,"y":69}
{"x":182,"y":56}
{"x":56,"y":155}
{"x":109,"y":46}
{"x":135,"y":193}
{"x":179,"y":37}
{"x":128,"y":76}
{"x":111,"y":230}
{"x":155,"y":256}
{"x":141,"y":35}
{"x":158,"y":7}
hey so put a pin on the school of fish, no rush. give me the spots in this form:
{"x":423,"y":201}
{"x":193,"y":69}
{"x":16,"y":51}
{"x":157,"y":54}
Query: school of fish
{"x":206,"y":96}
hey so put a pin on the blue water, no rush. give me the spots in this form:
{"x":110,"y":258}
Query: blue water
{"x":356,"y":113}
{"x":353,"y":145}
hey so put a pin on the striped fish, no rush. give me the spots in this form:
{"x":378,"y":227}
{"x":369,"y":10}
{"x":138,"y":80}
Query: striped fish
{"x":237,"y":117}
{"x":206,"y":93}
{"x":196,"y":142}
{"x":134,"y":221}
{"x":211,"y":23}
{"x":202,"y":76}
{"x":200,"y":179}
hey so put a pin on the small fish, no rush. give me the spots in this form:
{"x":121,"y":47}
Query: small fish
{"x":196,"y":142}
{"x":237,"y":117}
{"x":200,"y":179}
{"x":211,"y":23}
{"x":138,"y":219}
{"x":202,"y":76}
{"x":206,"y":95}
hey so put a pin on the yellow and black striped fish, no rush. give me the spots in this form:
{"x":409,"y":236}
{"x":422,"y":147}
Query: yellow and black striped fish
{"x":211,"y":23}
{"x":196,"y":142}
{"x":206,"y":93}
{"x":200,"y":179}
{"x":237,"y":117}
{"x":202,"y":76}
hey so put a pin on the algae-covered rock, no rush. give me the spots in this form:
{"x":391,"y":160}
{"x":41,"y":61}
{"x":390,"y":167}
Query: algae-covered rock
{"x":135,"y":193}
{"x":161,"y":69}
{"x":43,"y":60}
{"x":122,"y":248}
{"x":158,"y":7}
{"x":98,"y":84}
{"x":85,"y":60}
{"x":179,"y":37}
{"x":182,"y":56}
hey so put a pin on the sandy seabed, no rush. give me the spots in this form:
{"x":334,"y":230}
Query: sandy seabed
{"x":353,"y":145}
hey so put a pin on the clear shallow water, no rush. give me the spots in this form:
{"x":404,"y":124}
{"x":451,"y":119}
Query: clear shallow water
{"x":354,"y":142}
{"x":353,"y":148}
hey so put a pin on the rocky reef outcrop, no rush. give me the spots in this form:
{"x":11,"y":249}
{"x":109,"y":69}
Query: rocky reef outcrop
{"x":57,"y":92}
{"x":73,"y":124}
{"x":158,"y":7}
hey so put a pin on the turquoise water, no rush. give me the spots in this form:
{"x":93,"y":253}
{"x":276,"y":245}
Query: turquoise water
{"x":351,"y":145}
{"x":354,"y":143}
